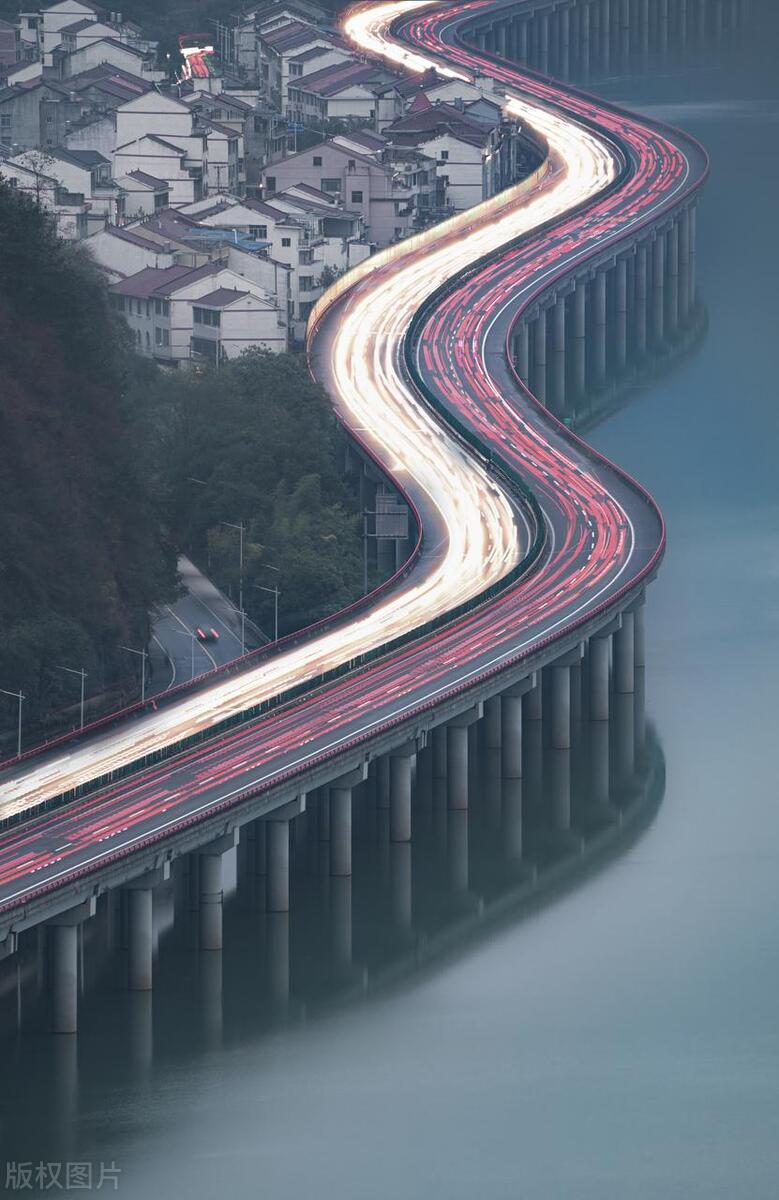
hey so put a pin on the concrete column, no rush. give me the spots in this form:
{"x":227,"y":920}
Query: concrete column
{"x":210,"y":901}
{"x":586,"y":41}
{"x":558,"y":360}
{"x":640,"y":300}
{"x":598,"y":741}
{"x":139,"y":939}
{"x":340,"y":832}
{"x":277,"y":949}
{"x":457,"y":850}
{"x":658,"y":288}
{"x":684,"y":265}
{"x":693,"y":236}
{"x":643,"y":29}
{"x":534,"y":701}
{"x":277,"y":878}
{"x":63,"y":967}
{"x":560,"y":764}
{"x":624,"y":34}
{"x":599,"y":678}
{"x":639,"y":635}
{"x":539,"y":357}
{"x":623,"y":727}
{"x":543,"y":42}
{"x":580,"y":338}
{"x":624,"y":655}
{"x":662,"y":20}
{"x":565,"y":43}
{"x":522,"y":44}
{"x":621,"y":310}
{"x":523,"y":352}
{"x":401,"y":883}
{"x":561,"y":706}
{"x":63,"y":944}
{"x":383,"y":781}
{"x":492,"y":722}
{"x":681,"y":32}
{"x":400,"y":797}
{"x":457,"y":766}
{"x":502,"y":31}
{"x":439,"y":752}
{"x":605,"y":35}
{"x":599,"y":328}
{"x":639,"y":715}
{"x":701,"y":29}
{"x":511,"y":737}
{"x":511,"y":818}
{"x":672,"y":277}
{"x":341,"y":919}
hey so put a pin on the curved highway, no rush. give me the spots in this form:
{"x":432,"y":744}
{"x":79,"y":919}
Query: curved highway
{"x":606,"y":175}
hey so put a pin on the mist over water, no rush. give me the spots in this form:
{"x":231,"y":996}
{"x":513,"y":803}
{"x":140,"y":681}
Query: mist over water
{"x":621,"y":1040}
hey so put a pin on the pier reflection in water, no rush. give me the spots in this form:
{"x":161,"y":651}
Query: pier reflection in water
{"x":524,"y":837}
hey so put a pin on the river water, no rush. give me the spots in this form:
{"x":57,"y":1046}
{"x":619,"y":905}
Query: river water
{"x":621,"y":1039}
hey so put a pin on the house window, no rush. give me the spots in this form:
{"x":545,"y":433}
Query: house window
{"x":270,"y":183}
{"x":352,"y":165}
{"x":160,"y":200}
{"x":306,"y":283}
{"x":148,"y":310}
{"x":317,"y":157}
{"x":356,"y":197}
{"x":148,"y":340}
{"x":331,"y":185}
{"x":138,"y":308}
{"x":444,"y":156}
{"x":286,"y":242}
{"x":204,"y":316}
{"x":158,"y":336}
{"x":258,"y":233}
{"x":166,"y":337}
{"x":162,"y":308}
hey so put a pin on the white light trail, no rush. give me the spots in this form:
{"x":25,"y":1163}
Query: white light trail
{"x":482,"y":542}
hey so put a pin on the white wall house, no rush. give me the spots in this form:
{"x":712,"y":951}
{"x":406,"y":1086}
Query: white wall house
{"x":109,"y":50}
{"x":57,"y":17}
{"x":176,"y":315}
{"x":70,"y":211}
{"x":183,"y":167}
{"x":122,"y":252}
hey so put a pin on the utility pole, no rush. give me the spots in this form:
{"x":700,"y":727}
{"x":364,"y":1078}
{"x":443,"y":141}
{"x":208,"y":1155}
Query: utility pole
{"x":82,"y":674}
{"x":274,"y":591}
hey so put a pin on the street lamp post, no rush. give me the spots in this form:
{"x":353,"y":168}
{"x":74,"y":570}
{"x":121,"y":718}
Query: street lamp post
{"x":143,"y":656}
{"x":82,"y":674}
{"x":274,"y":591}
{"x":20,"y":697}
{"x":241,"y":530}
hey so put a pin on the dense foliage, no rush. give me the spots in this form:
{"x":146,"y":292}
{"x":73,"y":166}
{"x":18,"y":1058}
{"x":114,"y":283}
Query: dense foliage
{"x":256,"y":443}
{"x":82,"y":558}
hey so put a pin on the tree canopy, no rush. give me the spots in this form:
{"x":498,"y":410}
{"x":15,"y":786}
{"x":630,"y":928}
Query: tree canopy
{"x":82,"y":554}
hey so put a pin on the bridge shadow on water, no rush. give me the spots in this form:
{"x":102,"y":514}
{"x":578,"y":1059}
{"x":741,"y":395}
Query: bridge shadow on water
{"x":408,"y":908}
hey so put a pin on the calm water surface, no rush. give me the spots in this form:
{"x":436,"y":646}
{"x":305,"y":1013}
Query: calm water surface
{"x":622,"y":1041}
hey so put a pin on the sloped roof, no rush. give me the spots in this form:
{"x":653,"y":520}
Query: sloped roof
{"x":221,"y":298}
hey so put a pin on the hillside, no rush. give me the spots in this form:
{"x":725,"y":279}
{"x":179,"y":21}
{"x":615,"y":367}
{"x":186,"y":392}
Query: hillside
{"x":82,"y":556}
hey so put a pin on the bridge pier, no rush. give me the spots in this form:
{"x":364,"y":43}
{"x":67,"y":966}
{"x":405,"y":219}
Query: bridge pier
{"x":558,"y":357}
{"x":599,"y":328}
{"x":440,"y":752}
{"x":598,"y":663}
{"x":401,"y":761}
{"x":511,"y":736}
{"x":401,"y":883}
{"x":599,"y":736}
{"x":543,"y":43}
{"x":140,"y":927}
{"x":341,"y":919}
{"x":561,"y":788}
{"x":511,"y":818}
{"x":210,"y":895}
{"x":63,"y":942}
{"x":539,"y":357}
{"x":277,"y":877}
{"x":672,"y":263}
{"x":522,"y":352}
{"x":684,"y":265}
{"x":457,"y":756}
{"x":493,"y":715}
{"x":640,"y":303}
{"x":624,"y":664}
{"x":533,"y":704}
{"x":605,"y":35}
{"x":561,"y":706}
{"x":585,"y":25}
{"x":580,"y":338}
{"x":658,"y":287}
{"x":621,"y":313}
